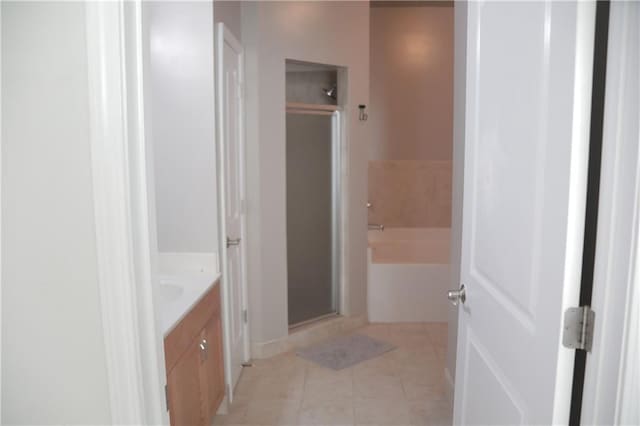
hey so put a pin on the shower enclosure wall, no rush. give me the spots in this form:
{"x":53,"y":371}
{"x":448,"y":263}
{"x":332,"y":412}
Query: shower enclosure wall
{"x":313,"y":210}
{"x":312,"y":213}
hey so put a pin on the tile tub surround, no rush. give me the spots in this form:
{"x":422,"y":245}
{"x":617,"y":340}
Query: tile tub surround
{"x":410,"y":194}
{"x":405,"y":386}
{"x":410,"y":245}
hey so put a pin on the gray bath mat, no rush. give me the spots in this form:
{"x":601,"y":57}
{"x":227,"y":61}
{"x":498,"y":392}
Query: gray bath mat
{"x":345,"y":351}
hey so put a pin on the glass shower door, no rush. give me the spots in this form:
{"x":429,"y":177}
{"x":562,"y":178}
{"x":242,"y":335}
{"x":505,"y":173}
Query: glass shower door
{"x":312,"y":206}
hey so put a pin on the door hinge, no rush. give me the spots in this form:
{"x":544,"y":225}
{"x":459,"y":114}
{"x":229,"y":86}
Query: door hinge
{"x":578,"y":328}
{"x":166,"y":396}
{"x":245,"y":316}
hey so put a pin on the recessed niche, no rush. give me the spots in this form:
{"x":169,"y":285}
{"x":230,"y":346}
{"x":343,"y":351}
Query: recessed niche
{"x":310,"y":83}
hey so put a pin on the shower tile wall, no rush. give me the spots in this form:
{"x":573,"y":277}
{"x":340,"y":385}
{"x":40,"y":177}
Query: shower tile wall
{"x":306,"y":86}
{"x":410,"y":194}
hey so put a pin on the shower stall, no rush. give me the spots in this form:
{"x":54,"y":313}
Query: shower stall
{"x":313,"y":173}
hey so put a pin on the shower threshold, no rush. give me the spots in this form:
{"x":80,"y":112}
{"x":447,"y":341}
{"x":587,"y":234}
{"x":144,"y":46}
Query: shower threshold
{"x":298,"y":325}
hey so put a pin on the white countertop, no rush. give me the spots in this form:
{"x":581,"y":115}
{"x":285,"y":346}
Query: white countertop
{"x":184,"y":279}
{"x":193,"y":288}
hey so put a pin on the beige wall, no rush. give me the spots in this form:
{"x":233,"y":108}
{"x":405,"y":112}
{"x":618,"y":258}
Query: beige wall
{"x":411,"y":111}
{"x":229,"y":12}
{"x":53,"y":358}
{"x":334,"y":33}
{"x":411,"y":115}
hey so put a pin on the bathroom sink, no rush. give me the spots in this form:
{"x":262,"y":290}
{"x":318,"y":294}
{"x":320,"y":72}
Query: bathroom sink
{"x":170,"y":290}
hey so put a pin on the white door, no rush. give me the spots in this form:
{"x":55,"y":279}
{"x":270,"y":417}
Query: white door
{"x":229,"y":71}
{"x":526,"y":141}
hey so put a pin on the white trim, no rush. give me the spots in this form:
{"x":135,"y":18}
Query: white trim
{"x":583,"y":77}
{"x":1,"y":226}
{"x":113,"y":31}
{"x":627,"y":409}
{"x":308,"y":112}
{"x":449,"y":385}
{"x":612,"y":368}
{"x":151,"y":339}
{"x":299,"y":106}
{"x":337,"y":219}
{"x":222,"y":36}
{"x":344,"y":295}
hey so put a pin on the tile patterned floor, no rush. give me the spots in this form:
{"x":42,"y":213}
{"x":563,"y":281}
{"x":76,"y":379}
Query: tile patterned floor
{"x":402,"y":387}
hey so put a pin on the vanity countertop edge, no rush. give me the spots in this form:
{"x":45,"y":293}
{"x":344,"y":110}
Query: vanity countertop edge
{"x":195,"y":287}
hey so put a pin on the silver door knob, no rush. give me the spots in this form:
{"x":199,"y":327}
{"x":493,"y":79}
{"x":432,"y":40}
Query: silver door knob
{"x":232,"y":242}
{"x":457,"y":296}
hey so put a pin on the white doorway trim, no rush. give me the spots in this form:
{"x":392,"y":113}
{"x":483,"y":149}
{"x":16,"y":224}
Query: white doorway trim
{"x":118,"y":162}
{"x":223,"y":35}
{"x":0,"y":231}
{"x":610,"y":394}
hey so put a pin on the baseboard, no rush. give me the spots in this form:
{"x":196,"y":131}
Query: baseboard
{"x":225,"y":406}
{"x":307,"y":335}
{"x":450,"y":387}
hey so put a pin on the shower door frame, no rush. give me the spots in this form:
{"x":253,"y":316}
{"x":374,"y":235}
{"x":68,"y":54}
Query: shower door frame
{"x":337,"y":219}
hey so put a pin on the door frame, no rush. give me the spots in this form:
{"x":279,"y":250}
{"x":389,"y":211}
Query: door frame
{"x":133,"y":343}
{"x":222,"y":36}
{"x":617,"y":263}
{"x":337,"y":198}
{"x":1,"y":174}
{"x":134,"y":369}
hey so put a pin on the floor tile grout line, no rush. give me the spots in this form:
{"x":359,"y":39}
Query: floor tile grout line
{"x":392,"y":365}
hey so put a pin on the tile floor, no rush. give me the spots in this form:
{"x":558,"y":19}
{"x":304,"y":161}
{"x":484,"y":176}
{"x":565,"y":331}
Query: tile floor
{"x":402,"y":387}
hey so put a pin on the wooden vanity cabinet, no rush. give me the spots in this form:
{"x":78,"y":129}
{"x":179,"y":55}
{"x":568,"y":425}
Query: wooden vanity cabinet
{"x":214,"y":366}
{"x":183,"y":390}
{"x":194,"y":363}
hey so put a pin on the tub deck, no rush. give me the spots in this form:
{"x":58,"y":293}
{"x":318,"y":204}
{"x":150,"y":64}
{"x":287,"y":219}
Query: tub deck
{"x":409,"y":275}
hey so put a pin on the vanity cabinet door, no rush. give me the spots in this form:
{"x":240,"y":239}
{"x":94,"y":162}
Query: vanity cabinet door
{"x":184,"y":388}
{"x":213,"y":368}
{"x":193,"y":356}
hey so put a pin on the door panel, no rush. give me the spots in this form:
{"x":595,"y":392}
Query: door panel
{"x":487,"y":376}
{"x":184,"y":386}
{"x":310,"y":289}
{"x":230,"y":122}
{"x":510,"y":142}
{"x":528,"y":87}
{"x":213,"y":373}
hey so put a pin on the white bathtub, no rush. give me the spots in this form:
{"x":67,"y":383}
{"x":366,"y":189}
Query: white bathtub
{"x":408,"y":274}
